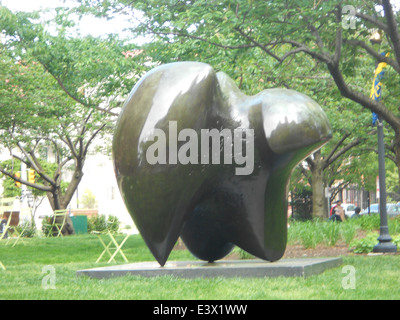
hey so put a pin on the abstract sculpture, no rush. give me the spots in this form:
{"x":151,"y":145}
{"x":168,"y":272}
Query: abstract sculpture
{"x":195,"y":158}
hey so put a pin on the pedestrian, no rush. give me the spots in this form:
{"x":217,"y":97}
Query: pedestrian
{"x":332,"y":208}
{"x":337,"y":212}
{"x":3,"y":223}
{"x":356,"y":214}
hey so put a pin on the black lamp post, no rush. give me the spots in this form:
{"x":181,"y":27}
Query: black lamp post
{"x":385,"y":241}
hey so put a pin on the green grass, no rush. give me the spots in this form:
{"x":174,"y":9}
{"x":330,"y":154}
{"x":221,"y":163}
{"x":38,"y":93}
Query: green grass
{"x":27,"y":274}
{"x":309,"y":234}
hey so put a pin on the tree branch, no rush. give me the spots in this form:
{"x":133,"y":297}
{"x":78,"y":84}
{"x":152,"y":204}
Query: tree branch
{"x":343,"y":151}
{"x":70,"y":145}
{"x":186,"y":35}
{"x":257,"y":44}
{"x":375,"y":54}
{"x":35,"y":165}
{"x":300,"y":47}
{"x":372,"y":105}
{"x":91,"y":139}
{"x":337,"y":145}
{"x":73,"y":97}
{"x":374,"y":21}
{"x":392,"y":30}
{"x":318,"y":39}
{"x":310,"y":162}
{"x":33,"y":185}
{"x":338,"y":46}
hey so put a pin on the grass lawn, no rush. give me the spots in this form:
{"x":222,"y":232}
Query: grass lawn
{"x":30,"y":266}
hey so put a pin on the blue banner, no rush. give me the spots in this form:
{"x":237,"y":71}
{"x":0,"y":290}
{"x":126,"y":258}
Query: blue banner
{"x":377,"y":84}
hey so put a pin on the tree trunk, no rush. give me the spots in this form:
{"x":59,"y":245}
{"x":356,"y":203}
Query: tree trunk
{"x":54,"y":199}
{"x":319,"y":205}
{"x":396,"y":148}
{"x":67,"y":196}
{"x":68,"y":228}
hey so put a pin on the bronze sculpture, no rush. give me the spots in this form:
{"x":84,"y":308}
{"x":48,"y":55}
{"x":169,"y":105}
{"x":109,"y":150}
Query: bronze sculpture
{"x":196,"y":158}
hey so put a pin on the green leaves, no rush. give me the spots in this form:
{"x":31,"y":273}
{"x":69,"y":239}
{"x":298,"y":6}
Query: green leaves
{"x":260,"y":44}
{"x":58,"y":92}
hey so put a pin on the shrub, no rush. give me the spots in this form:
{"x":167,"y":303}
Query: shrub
{"x":46,"y":226}
{"x":348,"y":231}
{"x":97,"y":223}
{"x":310,"y":233}
{"x":396,"y":241}
{"x":394,"y":225}
{"x":113,"y":223}
{"x":244,"y":255}
{"x":101,"y":223}
{"x":331,"y":232}
{"x":30,"y":229}
{"x":302,"y":204}
{"x":369,"y":222}
{"x":365,"y":245}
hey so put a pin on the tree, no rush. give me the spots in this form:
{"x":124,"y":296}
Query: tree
{"x":294,"y":44}
{"x":322,"y":31}
{"x":11,"y":189}
{"x":55,"y":100}
{"x":88,"y":199}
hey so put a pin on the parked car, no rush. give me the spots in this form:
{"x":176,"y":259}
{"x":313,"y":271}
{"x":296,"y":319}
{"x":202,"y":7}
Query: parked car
{"x":373,"y":208}
{"x":348,"y":208}
{"x":392,"y":209}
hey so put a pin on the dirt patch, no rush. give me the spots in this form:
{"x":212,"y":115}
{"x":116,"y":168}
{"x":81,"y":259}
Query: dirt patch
{"x":296,"y":251}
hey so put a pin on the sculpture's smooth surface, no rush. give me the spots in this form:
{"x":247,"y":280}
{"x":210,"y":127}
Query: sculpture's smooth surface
{"x":170,"y":178}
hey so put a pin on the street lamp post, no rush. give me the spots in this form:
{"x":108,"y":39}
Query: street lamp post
{"x":385,"y":241}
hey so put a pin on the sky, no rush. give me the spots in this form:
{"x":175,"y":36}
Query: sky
{"x":30,"y":5}
{"x":88,"y":25}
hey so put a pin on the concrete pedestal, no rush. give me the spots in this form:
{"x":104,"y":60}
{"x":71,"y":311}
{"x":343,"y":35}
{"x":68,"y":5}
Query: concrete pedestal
{"x":303,"y":267}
